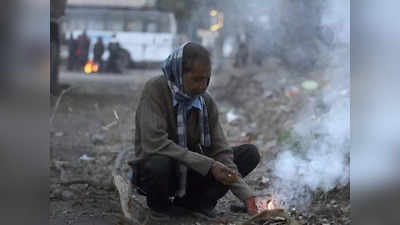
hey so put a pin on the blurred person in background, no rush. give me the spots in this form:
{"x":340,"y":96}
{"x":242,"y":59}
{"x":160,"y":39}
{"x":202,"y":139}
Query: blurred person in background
{"x":113,"y":48}
{"x":72,"y":47}
{"x":242,"y":54}
{"x":83,"y":49}
{"x":180,"y":147}
{"x":98,"y":51}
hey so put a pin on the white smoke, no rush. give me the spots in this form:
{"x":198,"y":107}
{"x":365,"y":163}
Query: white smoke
{"x":318,"y":156}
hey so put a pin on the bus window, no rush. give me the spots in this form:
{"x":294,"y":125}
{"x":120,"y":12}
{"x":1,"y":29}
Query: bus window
{"x":152,"y":28}
{"x":133,"y":25}
{"x":79,"y":23}
{"x":67,"y":24}
{"x":164,"y":26}
{"x":97,"y":23}
{"x":115,"y":24}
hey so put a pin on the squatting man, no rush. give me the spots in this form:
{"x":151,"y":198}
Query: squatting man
{"x":182,"y":158}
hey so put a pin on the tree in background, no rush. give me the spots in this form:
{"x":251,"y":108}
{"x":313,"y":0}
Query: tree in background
{"x":182,"y":10}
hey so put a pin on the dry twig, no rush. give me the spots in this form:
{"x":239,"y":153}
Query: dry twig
{"x":58,"y":103}
{"x":108,"y":126}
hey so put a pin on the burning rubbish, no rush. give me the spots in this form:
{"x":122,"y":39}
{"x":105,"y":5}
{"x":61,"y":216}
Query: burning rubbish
{"x":91,"y":67}
{"x":270,"y":212}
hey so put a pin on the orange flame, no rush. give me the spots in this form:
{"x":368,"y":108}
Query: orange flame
{"x":270,"y":205}
{"x":95,"y":68}
{"x":90,"y":67}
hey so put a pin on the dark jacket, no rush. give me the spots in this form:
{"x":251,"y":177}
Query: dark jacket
{"x":98,"y":50}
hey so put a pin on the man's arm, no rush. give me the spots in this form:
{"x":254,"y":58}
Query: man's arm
{"x":221,"y":151}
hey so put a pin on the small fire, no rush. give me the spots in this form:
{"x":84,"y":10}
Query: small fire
{"x":91,"y":67}
{"x":270,"y":205}
{"x":95,"y":68}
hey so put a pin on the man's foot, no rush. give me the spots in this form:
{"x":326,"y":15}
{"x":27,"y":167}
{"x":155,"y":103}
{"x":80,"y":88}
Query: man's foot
{"x":166,"y":215}
{"x":155,"y":216}
{"x":212,"y":213}
{"x":205,"y":211}
{"x":238,"y":208}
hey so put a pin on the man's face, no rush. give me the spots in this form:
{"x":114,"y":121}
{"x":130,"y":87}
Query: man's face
{"x":196,"y":81}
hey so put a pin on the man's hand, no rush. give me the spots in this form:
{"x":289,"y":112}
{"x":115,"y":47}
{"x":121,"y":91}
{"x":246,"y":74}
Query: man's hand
{"x":251,"y":206}
{"x":223,"y":174}
{"x":256,"y":205}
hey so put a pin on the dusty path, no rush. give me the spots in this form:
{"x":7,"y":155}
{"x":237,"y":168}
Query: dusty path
{"x":95,"y":120}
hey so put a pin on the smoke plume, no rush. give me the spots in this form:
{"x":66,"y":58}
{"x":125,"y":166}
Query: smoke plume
{"x":316,"y":155}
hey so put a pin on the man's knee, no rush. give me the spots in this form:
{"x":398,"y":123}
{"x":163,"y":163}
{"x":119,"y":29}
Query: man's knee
{"x":252,"y":154}
{"x":246,"y":158}
{"x":157,"y":166}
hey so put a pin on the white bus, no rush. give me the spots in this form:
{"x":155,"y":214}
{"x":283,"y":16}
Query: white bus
{"x":148,"y":35}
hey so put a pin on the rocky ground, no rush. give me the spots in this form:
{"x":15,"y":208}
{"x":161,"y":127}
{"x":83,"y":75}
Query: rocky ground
{"x":93,"y":122}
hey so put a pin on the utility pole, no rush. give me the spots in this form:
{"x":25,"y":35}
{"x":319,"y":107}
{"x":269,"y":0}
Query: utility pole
{"x":57,"y":8}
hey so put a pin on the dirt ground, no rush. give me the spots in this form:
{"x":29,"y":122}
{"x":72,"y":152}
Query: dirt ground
{"x":93,"y":121}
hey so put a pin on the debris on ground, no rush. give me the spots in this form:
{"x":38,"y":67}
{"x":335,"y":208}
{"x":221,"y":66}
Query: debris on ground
{"x":98,"y":139}
{"x":309,"y":85}
{"x":84,"y":157}
{"x":252,"y":110}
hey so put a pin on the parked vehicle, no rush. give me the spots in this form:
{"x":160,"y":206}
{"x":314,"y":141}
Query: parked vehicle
{"x":145,"y":36}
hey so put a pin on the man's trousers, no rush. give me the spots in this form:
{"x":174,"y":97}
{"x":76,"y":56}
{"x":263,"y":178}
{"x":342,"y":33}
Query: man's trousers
{"x":158,"y":178}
